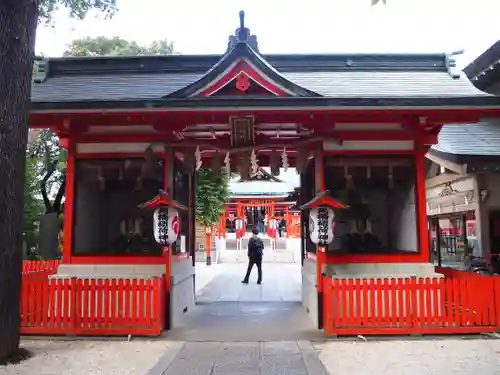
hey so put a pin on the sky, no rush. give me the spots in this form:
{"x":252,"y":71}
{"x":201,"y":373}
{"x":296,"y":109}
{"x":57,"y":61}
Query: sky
{"x":293,"y":26}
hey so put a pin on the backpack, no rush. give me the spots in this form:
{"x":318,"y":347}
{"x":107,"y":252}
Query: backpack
{"x":255,"y":247}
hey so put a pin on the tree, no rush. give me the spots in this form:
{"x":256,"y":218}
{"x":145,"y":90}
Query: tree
{"x":33,"y":205}
{"x":51,"y":157}
{"x":18,"y":22}
{"x":212,"y":192}
{"x":103,"y":46}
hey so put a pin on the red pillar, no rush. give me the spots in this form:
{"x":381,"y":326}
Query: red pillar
{"x":167,"y":253}
{"x":69,"y":202}
{"x":422,"y":231}
{"x":319,"y":179}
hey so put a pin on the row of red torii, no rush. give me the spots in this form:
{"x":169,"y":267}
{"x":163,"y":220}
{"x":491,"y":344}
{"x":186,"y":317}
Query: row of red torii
{"x":275,"y":212}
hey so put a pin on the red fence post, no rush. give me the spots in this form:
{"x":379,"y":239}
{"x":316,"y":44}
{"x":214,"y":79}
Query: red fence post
{"x":327,"y":305}
{"x":496,"y":298}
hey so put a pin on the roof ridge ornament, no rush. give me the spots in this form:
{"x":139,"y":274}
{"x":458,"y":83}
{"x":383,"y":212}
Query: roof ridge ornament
{"x":451,"y":63}
{"x":242,"y":35}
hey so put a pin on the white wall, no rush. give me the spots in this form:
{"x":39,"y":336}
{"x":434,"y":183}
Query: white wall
{"x":406,"y":221}
{"x":182,"y":297}
{"x":310,"y":290}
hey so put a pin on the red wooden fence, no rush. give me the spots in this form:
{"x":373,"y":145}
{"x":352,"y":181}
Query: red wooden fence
{"x":457,"y":274}
{"x":45,"y":266}
{"x":91,"y":307}
{"x":411,"y":305}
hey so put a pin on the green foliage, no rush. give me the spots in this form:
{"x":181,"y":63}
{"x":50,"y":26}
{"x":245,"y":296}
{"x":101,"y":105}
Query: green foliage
{"x":51,"y":161}
{"x":211,"y":195}
{"x":77,"y":8}
{"x":33,"y":205}
{"x":103,"y":46}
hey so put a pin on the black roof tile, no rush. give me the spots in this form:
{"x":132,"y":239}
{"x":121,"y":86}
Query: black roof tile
{"x":334,"y":84}
{"x":481,"y":139}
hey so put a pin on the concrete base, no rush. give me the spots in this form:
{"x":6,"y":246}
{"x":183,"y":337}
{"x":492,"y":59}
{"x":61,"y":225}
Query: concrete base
{"x":119,"y":271}
{"x":378,"y":270}
{"x":201,"y":256}
{"x":310,"y":291}
{"x":182,"y":292}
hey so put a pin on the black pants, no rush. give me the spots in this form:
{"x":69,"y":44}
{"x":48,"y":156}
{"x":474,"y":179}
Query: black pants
{"x":251,"y":262}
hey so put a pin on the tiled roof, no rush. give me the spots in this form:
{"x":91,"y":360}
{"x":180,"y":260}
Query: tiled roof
{"x":330,"y":75}
{"x":481,"y":139}
{"x":334,"y":84}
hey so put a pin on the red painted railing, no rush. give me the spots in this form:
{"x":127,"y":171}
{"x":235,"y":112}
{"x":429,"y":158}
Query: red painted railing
{"x":92,"y":307}
{"x":410,"y":305}
{"x":457,"y":274}
{"x":45,"y":266}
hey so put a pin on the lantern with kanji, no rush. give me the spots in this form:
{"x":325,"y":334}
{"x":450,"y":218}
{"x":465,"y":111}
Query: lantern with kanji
{"x":166,"y":220}
{"x":271,"y":227}
{"x":322,"y":218}
{"x":240,"y":227}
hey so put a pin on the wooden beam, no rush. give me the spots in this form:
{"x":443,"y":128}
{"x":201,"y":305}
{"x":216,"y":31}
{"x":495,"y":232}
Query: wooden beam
{"x":454,"y":167}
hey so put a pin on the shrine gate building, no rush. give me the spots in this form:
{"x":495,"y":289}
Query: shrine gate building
{"x":357,"y":125}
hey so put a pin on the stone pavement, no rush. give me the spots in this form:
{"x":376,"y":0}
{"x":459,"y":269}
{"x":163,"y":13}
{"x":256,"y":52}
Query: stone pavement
{"x":222,"y":283}
{"x":244,"y":358}
{"x":263,"y":330}
{"x":396,"y":356}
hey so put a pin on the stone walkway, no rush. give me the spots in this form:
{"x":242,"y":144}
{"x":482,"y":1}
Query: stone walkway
{"x":245,"y":358}
{"x":222,"y":283}
{"x":397,"y":356}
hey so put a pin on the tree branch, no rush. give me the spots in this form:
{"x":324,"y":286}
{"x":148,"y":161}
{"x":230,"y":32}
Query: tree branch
{"x":43,"y":187}
{"x":56,"y":207}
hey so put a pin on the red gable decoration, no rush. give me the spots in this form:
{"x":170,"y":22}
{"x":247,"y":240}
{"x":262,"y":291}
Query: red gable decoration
{"x":323,"y":199}
{"x":244,"y":75}
{"x":162,"y":200}
{"x":242,"y":70}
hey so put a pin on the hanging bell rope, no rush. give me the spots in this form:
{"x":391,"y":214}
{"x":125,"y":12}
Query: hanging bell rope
{"x":254,"y":163}
{"x":244,"y":167}
{"x":302,"y":160}
{"x":284,"y":160}
{"x":227,"y":163}
{"x":216,"y":167}
{"x":197,"y":155}
{"x":189,"y":161}
{"x":275,"y":162}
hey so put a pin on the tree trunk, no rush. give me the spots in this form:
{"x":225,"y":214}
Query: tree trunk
{"x":49,"y":235}
{"x":18,"y":20}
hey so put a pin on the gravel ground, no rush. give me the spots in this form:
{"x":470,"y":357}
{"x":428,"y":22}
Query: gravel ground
{"x":88,"y":357}
{"x":422,"y":357}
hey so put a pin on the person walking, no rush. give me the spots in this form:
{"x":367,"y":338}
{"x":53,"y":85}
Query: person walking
{"x":255,"y":253}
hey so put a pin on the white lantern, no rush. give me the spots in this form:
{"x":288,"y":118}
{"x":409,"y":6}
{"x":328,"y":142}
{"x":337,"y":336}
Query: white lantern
{"x":321,"y":225}
{"x":238,"y":223}
{"x":272,"y":223}
{"x":166,"y":225}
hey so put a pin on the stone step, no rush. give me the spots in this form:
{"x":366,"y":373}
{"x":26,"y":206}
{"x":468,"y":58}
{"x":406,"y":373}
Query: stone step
{"x":234,"y":256}
{"x":280,"y":243}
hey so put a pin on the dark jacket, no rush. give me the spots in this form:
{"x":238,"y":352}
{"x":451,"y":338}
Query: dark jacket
{"x":255,"y":247}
